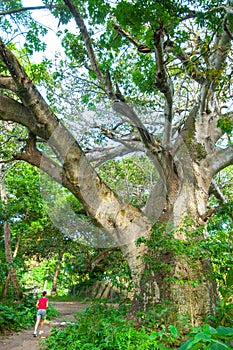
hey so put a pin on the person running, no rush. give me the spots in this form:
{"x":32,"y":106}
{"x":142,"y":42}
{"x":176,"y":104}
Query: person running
{"x":42,"y":304}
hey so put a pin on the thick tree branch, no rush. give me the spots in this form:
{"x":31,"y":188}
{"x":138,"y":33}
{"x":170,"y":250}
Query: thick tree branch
{"x":34,"y":157}
{"x":127,"y":111}
{"x":11,"y":110}
{"x":218,"y":161}
{"x":86,"y":38}
{"x":7,"y":83}
{"x":163,"y":83}
{"x":216,"y":63}
{"x":223,"y":44}
{"x":28,"y":93}
{"x":118,"y":218}
{"x":99,"y":156}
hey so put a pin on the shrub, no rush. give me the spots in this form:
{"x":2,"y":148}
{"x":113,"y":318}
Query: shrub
{"x":15,"y":316}
{"x":102,"y":327}
{"x":51,"y":312}
{"x":209,"y":338}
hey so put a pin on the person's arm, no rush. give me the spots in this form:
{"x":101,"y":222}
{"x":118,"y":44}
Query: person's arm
{"x":47,"y":304}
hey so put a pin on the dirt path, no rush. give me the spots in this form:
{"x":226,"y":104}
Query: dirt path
{"x":25,"y":340}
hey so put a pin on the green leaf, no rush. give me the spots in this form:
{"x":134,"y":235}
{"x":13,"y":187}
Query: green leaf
{"x":174,"y":331}
{"x":226,"y":331}
{"x":208,"y":329}
{"x":188,"y":345}
{"x":202,"y":336}
{"x":218,"y":345}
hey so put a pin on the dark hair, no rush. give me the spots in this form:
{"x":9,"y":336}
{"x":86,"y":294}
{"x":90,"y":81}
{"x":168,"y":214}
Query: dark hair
{"x":44,"y":293}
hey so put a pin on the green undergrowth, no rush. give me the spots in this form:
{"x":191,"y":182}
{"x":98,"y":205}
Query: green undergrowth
{"x":101,"y":327}
{"x":16,"y":315}
{"x":209,"y":338}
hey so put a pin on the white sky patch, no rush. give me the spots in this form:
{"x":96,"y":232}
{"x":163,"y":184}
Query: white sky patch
{"x":45,"y":18}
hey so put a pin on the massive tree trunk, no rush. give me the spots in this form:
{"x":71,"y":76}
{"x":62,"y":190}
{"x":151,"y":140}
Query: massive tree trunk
{"x":186,"y":279}
{"x":182,"y":279}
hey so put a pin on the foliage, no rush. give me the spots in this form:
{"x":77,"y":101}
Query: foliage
{"x":164,"y":240}
{"x":220,"y":246}
{"x":223,"y":179}
{"x":209,"y":338}
{"x":51,"y":312}
{"x":107,"y":327}
{"x":18,"y":315}
{"x":92,"y":265}
{"x":14,"y":315}
{"x":41,"y":242}
{"x":217,"y":247}
{"x":24,"y":203}
{"x":224,"y":313}
{"x":226,"y":125}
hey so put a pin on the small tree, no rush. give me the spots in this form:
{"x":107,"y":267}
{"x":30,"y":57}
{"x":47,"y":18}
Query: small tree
{"x":7,"y":241}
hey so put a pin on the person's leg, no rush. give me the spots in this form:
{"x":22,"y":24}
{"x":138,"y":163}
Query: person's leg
{"x":37,"y":324}
{"x":43,"y":312}
{"x":41,"y":325}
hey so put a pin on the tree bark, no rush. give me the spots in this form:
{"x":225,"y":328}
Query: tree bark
{"x":56,"y":272}
{"x":5,"y":291}
{"x":7,"y":241}
{"x":9,"y":259}
{"x":180,"y":278}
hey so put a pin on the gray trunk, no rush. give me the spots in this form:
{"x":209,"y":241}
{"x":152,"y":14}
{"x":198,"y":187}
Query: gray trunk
{"x":174,"y":277}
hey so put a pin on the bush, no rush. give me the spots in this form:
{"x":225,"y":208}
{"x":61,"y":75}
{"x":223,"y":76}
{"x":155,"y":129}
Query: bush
{"x":51,"y":312}
{"x":15,"y":316}
{"x":209,"y":338}
{"x":102,"y":327}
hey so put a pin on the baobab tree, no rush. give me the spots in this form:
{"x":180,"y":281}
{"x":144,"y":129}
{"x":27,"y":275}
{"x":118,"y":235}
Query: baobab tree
{"x":172,"y":57}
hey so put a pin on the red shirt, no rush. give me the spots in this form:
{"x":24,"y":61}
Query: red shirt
{"x":42,"y":303}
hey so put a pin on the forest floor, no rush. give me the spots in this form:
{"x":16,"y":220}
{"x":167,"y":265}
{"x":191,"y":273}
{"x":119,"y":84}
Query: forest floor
{"x":25,"y":340}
